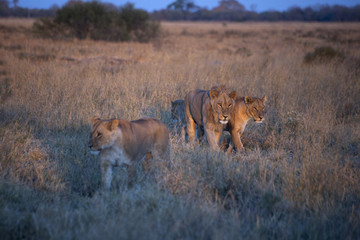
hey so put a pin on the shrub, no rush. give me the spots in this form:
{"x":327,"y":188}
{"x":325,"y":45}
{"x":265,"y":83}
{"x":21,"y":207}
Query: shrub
{"x":96,"y":21}
{"x":322,"y":54}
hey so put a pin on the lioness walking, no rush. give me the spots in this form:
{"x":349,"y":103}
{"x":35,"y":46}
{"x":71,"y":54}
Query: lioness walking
{"x":210,"y":110}
{"x":121,"y":142}
{"x":246,"y":108}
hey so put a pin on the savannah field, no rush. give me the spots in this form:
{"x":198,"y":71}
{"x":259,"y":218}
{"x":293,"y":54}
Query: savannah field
{"x":299,"y":177}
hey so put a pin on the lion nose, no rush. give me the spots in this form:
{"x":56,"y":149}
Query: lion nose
{"x":90,"y":145}
{"x":225,"y":116}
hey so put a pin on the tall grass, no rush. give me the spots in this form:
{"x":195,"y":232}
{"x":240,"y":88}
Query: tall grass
{"x":297,"y":179}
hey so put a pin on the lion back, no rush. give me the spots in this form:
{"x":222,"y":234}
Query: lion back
{"x":194,"y":102}
{"x":151,"y":132}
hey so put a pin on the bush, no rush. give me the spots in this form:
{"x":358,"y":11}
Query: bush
{"x":322,"y":54}
{"x":94,"y":20}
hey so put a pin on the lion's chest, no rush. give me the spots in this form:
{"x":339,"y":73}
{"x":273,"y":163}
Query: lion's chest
{"x":116,"y":156}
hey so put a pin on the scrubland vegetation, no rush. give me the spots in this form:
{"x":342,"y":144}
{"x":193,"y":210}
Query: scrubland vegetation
{"x":297,"y":179}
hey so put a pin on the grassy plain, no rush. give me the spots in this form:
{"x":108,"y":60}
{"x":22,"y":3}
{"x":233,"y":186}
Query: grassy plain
{"x":298,"y":178}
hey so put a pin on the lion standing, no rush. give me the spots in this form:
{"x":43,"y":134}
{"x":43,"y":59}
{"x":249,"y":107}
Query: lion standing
{"x":246,"y":108}
{"x":210,"y":110}
{"x":121,"y":142}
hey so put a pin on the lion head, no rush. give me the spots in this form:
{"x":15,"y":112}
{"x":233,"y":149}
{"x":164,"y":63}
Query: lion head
{"x":255,"y":108}
{"x":222,"y":103}
{"x":102,"y":134}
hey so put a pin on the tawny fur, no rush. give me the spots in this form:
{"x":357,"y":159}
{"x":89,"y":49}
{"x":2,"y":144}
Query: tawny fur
{"x":246,"y":108}
{"x":121,"y":142}
{"x":210,"y":111}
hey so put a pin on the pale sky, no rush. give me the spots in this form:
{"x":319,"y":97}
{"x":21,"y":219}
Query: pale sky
{"x":151,"y":5}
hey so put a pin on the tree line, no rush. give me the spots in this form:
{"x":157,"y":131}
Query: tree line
{"x":232,"y":10}
{"x":227,"y":10}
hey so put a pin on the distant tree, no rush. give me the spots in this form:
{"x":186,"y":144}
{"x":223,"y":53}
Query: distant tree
{"x":182,"y":5}
{"x":185,"y":7}
{"x":229,"y":5}
{"x":309,"y":14}
{"x":294,"y":14}
{"x":71,"y":2}
{"x":270,"y":16}
{"x":232,"y":10}
{"x":15,"y":3}
{"x":4,"y":8}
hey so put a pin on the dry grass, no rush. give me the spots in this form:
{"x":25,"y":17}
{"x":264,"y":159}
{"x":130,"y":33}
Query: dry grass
{"x":298,"y":179}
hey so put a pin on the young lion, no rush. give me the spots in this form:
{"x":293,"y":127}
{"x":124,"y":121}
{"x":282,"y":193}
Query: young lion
{"x":210,"y":110}
{"x":246,"y":108}
{"x":121,"y":142}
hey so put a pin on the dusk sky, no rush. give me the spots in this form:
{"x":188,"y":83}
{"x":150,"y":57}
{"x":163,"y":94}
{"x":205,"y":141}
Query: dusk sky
{"x":151,"y":5}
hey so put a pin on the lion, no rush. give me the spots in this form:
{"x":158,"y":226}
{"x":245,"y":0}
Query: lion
{"x":210,"y":111}
{"x":246,"y":108}
{"x":121,"y":142}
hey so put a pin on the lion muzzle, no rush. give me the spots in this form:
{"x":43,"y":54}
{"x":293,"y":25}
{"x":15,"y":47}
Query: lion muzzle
{"x":259,"y":120}
{"x":224,"y":119}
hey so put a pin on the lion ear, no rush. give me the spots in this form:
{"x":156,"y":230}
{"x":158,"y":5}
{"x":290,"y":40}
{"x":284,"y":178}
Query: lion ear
{"x":248,"y":99}
{"x":263,"y":99}
{"x":113,"y":124}
{"x":233,"y":95}
{"x":213,"y":93}
{"x":95,"y":120}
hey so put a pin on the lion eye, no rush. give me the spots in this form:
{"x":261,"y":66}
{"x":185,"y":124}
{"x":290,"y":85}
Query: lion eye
{"x":99,"y":135}
{"x":230,"y":105}
{"x":219,"y":105}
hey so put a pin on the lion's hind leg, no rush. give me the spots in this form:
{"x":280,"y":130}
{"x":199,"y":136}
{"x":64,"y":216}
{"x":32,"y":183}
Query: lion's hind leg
{"x":200,"y":134}
{"x":191,"y":128}
{"x":147,"y":162}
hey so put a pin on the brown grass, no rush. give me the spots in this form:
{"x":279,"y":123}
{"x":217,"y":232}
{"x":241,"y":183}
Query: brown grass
{"x":298,"y":178}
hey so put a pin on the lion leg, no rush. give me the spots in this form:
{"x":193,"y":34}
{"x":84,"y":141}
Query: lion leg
{"x":146,"y":163}
{"x":200,"y":133}
{"x":106,"y":176}
{"x":132,"y":173}
{"x":235,"y":136}
{"x":226,"y":144}
{"x":163,"y":156}
{"x":183,"y":133}
{"x":212,"y":139}
{"x":190,"y":127}
{"x":217,"y":137}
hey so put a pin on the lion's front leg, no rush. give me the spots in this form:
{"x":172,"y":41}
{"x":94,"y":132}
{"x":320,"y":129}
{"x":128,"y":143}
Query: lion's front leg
{"x":106,"y":175}
{"x":217,"y":137}
{"x":212,"y":139}
{"x":235,"y":136}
